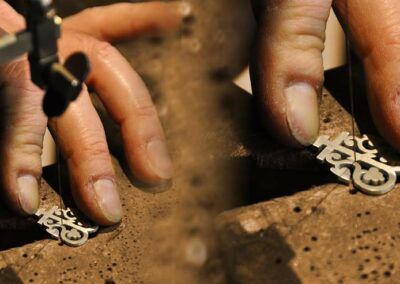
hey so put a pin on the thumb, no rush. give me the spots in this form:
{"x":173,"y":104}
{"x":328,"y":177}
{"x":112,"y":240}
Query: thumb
{"x":287,"y":70}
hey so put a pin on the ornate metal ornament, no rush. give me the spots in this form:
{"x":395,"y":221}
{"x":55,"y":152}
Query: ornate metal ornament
{"x":63,"y":224}
{"x":356,"y":160}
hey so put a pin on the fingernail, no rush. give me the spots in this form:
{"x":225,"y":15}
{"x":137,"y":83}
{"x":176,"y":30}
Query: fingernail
{"x":159,"y":158}
{"x":108,"y":199}
{"x":28,"y":193}
{"x":302,"y":112}
{"x":184,"y":8}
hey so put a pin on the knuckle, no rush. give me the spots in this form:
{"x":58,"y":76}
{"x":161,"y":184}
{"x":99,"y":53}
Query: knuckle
{"x":95,"y":148}
{"x":147,"y":110}
{"x":24,"y":129}
{"x":390,"y":38}
{"x":105,"y":49}
{"x":90,"y":12}
{"x":301,"y":24}
{"x":17,"y":75}
{"x":25,"y":141}
{"x":9,"y":18}
{"x":92,"y":147}
{"x":29,"y":145}
{"x":389,"y":44}
{"x":93,"y":14}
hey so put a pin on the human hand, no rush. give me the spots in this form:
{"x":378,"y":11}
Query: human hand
{"x":79,"y":132}
{"x":288,"y":72}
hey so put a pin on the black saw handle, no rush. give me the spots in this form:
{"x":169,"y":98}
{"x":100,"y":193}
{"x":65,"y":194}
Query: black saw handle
{"x":65,"y":84}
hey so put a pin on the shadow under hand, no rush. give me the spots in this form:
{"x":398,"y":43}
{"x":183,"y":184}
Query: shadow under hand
{"x":9,"y":275}
{"x":17,"y":231}
{"x":262,"y":257}
{"x":275,"y":170}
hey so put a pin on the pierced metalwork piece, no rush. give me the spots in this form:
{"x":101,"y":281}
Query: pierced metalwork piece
{"x":356,"y":160}
{"x":63,"y":224}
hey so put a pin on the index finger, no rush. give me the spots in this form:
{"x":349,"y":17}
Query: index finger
{"x":374,"y":28}
{"x":122,"y":20}
{"x":10,"y":20}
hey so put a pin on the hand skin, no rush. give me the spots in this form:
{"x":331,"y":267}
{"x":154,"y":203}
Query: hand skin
{"x":79,"y":131}
{"x":287,"y":69}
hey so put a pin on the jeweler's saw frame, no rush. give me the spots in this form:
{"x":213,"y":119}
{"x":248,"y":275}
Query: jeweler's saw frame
{"x":62,"y":83}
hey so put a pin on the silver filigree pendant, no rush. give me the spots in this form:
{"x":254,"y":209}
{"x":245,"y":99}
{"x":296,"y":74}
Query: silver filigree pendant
{"x":355,"y":160}
{"x":63,"y":224}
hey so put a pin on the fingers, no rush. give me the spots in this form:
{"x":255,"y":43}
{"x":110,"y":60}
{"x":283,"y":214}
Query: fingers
{"x":374,"y":28}
{"x":128,"y":101}
{"x":124,"y":20}
{"x":287,"y":69}
{"x":82,"y":141}
{"x":10,"y":20}
{"x":24,"y":125}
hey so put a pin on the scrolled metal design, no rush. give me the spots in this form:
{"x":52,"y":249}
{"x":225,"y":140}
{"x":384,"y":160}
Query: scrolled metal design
{"x":63,"y":224}
{"x":355,"y":160}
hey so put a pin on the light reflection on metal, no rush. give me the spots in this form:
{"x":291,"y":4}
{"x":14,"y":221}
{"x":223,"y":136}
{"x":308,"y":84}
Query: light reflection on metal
{"x":355,"y":160}
{"x":63,"y":224}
